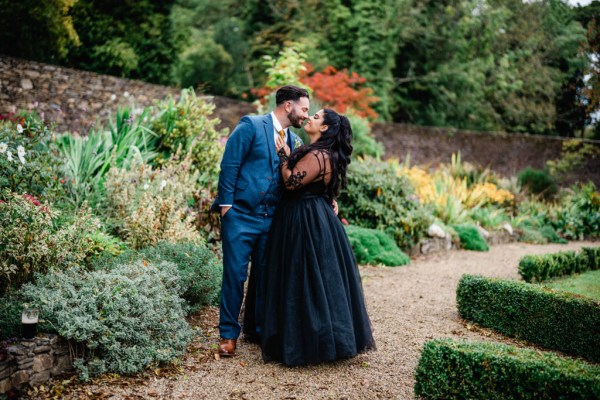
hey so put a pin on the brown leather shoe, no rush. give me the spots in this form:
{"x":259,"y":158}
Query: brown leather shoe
{"x":227,"y":347}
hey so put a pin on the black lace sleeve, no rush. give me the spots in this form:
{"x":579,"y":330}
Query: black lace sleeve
{"x":311,"y":167}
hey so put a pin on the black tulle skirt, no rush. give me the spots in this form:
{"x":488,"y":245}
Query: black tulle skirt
{"x":314,"y":307}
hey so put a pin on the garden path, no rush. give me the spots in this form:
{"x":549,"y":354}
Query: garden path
{"x":408,"y":306}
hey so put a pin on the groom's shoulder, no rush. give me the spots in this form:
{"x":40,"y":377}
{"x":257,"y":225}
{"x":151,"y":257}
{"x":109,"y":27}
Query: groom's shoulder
{"x":254,"y":119}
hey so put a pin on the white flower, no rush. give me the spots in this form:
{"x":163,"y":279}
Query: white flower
{"x":163,"y":184}
{"x":113,"y":97}
{"x":22,"y":159}
{"x":146,"y":186}
{"x":21,"y":151}
{"x":126,"y":94}
{"x":9,"y":155}
{"x":19,"y":128}
{"x":3,"y":147}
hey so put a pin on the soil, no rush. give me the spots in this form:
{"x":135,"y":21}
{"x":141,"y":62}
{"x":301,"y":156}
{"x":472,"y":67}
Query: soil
{"x":408,"y":306}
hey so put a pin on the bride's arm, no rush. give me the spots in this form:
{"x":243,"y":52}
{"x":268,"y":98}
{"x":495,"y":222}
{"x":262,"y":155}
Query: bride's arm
{"x":305,"y":171}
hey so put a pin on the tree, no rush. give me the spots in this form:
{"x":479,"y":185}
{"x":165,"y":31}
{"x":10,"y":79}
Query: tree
{"x":37,"y":29}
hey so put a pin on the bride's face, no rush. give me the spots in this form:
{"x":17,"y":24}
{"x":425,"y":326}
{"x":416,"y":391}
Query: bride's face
{"x":314,"y":125}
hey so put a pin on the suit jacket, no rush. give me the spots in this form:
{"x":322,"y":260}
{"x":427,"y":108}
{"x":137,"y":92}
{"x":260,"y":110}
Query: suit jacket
{"x":250,"y":164}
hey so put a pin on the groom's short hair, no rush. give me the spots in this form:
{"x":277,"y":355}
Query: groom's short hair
{"x":289,"y":92}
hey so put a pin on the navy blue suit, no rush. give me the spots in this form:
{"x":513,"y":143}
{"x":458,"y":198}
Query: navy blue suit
{"x":249,"y":181}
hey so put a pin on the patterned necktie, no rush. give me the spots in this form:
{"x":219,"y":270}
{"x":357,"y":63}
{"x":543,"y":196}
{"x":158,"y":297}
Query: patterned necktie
{"x":282,"y":135}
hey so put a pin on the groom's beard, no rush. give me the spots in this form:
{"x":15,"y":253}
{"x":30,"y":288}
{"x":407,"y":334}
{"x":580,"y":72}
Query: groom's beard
{"x":295,"y":119}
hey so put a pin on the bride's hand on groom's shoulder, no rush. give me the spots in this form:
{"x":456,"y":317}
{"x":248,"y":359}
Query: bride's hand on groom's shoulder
{"x":334,"y":204}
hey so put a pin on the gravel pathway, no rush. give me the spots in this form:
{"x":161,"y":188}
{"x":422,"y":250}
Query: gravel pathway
{"x":408,"y":306}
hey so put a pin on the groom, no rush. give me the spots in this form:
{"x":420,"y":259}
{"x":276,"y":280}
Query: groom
{"x":249,"y":189}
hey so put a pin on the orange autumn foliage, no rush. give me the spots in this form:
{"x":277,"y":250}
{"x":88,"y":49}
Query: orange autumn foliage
{"x":340,"y":90}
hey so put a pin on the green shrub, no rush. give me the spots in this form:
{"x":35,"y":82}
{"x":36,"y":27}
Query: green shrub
{"x":30,"y":242}
{"x":89,"y":158}
{"x":363,"y":142}
{"x":377,"y":198}
{"x":11,"y":306}
{"x":591,"y":256}
{"x":470,"y":238}
{"x":532,"y":235}
{"x":147,"y":205}
{"x":477,"y":370}
{"x":541,"y":267}
{"x":199,"y":269}
{"x":538,"y":182}
{"x":127,"y":319}
{"x":372,"y":246}
{"x":27,"y":163}
{"x":555,"y":320}
{"x":550,"y":233}
{"x":189,"y":125}
{"x":578,"y":215}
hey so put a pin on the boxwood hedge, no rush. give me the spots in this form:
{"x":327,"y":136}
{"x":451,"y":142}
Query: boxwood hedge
{"x":475,"y":370}
{"x":538,"y":268}
{"x":552,"y":319}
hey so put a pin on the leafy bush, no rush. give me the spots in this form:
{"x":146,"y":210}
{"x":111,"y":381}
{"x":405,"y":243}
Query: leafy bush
{"x":27,"y":163}
{"x":127,"y":319}
{"x":11,"y":307}
{"x":591,"y":256}
{"x":363,"y":142}
{"x":538,"y":182}
{"x":470,"y":238}
{"x":188,"y":127}
{"x":541,"y":267}
{"x":147,"y":205}
{"x":550,"y":233}
{"x":555,"y":320}
{"x":378,"y":198}
{"x":199,"y":269}
{"x":478,"y":370}
{"x":372,"y":246}
{"x":89,"y":158}
{"x":579,"y":214}
{"x":29,"y":241}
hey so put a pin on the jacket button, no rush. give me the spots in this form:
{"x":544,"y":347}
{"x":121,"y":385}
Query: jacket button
{"x":262,"y":192}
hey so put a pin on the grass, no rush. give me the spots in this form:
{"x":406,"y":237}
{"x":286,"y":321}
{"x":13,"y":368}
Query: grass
{"x":586,"y":284}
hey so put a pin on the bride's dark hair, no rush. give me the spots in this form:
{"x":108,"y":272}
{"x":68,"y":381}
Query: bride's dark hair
{"x":337,"y":142}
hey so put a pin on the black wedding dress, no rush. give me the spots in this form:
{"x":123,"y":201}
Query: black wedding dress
{"x":314,"y":308}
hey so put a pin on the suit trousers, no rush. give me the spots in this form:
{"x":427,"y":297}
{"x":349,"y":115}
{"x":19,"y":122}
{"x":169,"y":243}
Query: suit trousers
{"x":244,"y":239}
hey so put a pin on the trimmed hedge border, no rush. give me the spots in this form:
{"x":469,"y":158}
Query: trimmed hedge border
{"x":538,"y":268}
{"x":552,"y":319}
{"x":479,"y":370}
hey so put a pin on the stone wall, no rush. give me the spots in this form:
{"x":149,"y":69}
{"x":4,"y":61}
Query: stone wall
{"x":504,"y":153}
{"x":33,"y":362}
{"x":77,"y":100}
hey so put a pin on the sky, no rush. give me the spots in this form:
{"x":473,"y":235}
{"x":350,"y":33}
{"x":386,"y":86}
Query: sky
{"x":580,"y":2}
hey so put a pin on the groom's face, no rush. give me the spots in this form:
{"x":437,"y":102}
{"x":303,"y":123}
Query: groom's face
{"x":298,"y":112}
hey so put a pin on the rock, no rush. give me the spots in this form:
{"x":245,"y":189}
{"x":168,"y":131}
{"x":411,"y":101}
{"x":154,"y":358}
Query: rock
{"x":31,"y":73}
{"x":508,"y":228}
{"x":42,"y":362}
{"x":5,"y":371}
{"x":436,"y":231}
{"x":63,"y":364}
{"x":484,"y":233}
{"x":5,"y":385}
{"x":42,"y":349}
{"x":17,"y":350}
{"x":19,"y":378}
{"x":435,"y":245}
{"x":39,"y":378}
{"x":26,"y":84}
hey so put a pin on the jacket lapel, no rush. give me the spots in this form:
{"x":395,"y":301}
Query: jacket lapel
{"x":269,"y":129}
